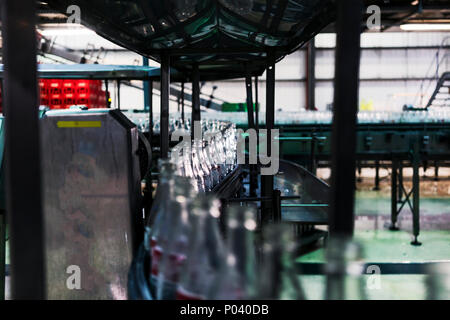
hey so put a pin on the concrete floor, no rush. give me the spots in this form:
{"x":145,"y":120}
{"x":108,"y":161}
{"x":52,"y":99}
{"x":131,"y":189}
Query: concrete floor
{"x":372,"y":210}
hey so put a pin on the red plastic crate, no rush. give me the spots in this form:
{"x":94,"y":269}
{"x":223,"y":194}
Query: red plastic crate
{"x":69,"y":86}
{"x":55,"y":86}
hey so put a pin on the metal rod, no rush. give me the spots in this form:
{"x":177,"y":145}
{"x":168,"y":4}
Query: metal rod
{"x":416,"y":195}
{"x":195,"y":116}
{"x":146,"y":87}
{"x":394,"y":191}
{"x":310,"y":75}
{"x":164,"y":121}
{"x":251,"y":125}
{"x":108,"y":97}
{"x":343,"y":163}
{"x":182,"y":102}
{"x":267,"y":180}
{"x":150,"y":110}
{"x":300,"y":205}
{"x":377,"y":175}
{"x":250,"y":112}
{"x":118,"y":94}
{"x":256,"y":107}
{"x":300,"y":138}
{"x":22,"y":156}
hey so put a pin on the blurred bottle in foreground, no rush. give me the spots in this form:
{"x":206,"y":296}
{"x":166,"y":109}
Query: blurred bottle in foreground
{"x":168,"y":238}
{"x":237,"y":278}
{"x":280,"y":280}
{"x":344,"y":270}
{"x":205,"y":251}
{"x":438,"y":281}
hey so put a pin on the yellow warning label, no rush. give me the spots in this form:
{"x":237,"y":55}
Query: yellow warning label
{"x":79,"y":124}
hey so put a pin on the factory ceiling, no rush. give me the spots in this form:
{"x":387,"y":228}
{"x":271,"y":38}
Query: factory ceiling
{"x":225,"y":38}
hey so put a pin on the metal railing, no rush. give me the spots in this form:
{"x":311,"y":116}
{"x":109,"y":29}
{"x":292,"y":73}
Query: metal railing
{"x":438,"y":66}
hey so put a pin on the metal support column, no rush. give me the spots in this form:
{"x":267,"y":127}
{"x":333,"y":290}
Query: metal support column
{"x":195,"y":116}
{"x":150,"y":111}
{"x":148,"y":102}
{"x":118,"y":94}
{"x":22,"y":155}
{"x":416,"y":195}
{"x":256,"y":108}
{"x":182,"y":103}
{"x":310,"y":75}
{"x":164,"y":121}
{"x":400,"y":181}
{"x":146,"y":88}
{"x":267,"y":180}
{"x":436,"y":170}
{"x":251,"y":125}
{"x":249,"y":92}
{"x":377,"y":176}
{"x":394,"y":195}
{"x":343,"y":162}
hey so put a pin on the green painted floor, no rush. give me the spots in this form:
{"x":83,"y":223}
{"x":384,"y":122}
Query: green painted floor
{"x":382,"y":245}
{"x":389,"y":246}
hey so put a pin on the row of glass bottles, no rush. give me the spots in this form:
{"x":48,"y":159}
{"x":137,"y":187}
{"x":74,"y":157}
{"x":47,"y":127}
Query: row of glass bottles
{"x":432,"y":115}
{"x":208,"y":161}
{"x":191,"y":260}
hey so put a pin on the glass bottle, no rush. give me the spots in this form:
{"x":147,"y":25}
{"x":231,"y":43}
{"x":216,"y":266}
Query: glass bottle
{"x":169,"y":240}
{"x":277,"y":263}
{"x":344,"y":270}
{"x":205,"y":251}
{"x":237,"y":276}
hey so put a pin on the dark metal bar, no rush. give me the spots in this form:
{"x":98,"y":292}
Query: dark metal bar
{"x":394,"y":191}
{"x":267,"y":180}
{"x":400,"y":181}
{"x":276,"y":204}
{"x":348,"y":25}
{"x":300,"y":138}
{"x":416,"y":195}
{"x":22,"y":158}
{"x":377,"y":175}
{"x":108,"y":96}
{"x":250,"y":113}
{"x":146,"y":88}
{"x":312,"y":156}
{"x":118,"y":94}
{"x":195,"y":116}
{"x":251,"y":125}
{"x":256,"y":108}
{"x":164,"y":122}
{"x":150,"y":110}
{"x":317,"y":268}
{"x":182,"y":102}
{"x":310,"y":75}
{"x":436,"y":170}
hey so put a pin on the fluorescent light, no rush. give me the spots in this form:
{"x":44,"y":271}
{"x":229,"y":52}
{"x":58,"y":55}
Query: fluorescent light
{"x":424,"y":26}
{"x":67,"y":30}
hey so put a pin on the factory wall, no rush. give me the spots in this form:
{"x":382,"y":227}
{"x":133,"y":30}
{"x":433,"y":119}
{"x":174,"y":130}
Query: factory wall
{"x":392,"y":66}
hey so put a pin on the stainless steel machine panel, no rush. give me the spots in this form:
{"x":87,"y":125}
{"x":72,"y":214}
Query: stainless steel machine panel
{"x":90,"y":201}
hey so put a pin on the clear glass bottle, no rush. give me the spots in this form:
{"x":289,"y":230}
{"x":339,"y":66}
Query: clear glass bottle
{"x":277,"y":263}
{"x":344,"y":270}
{"x":169,"y":239}
{"x":205,"y":251}
{"x":237,"y":279}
